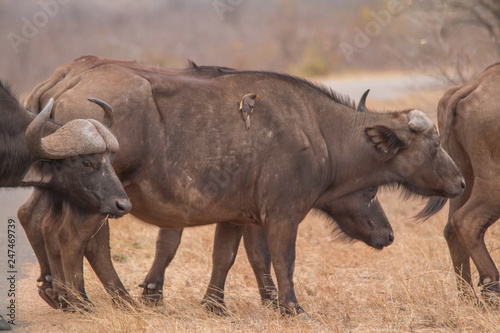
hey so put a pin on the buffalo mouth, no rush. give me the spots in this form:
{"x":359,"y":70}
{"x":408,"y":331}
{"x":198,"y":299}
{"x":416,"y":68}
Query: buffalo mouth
{"x":378,"y":247}
{"x":115,"y":207}
{"x":380,"y":244}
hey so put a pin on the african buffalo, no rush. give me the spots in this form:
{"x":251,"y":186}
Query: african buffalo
{"x":468,"y":118}
{"x":70,"y":164}
{"x":73,"y":161}
{"x":185,"y":159}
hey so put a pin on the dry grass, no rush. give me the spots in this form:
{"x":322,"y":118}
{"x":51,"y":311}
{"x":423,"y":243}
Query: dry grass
{"x":408,"y":286}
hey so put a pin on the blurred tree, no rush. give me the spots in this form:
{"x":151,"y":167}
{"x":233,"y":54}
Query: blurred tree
{"x":482,"y":13}
{"x":480,"y":22}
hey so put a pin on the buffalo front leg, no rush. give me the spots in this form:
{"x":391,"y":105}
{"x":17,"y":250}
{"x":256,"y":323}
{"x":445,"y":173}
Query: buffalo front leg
{"x":98,"y":255}
{"x":167,"y":243}
{"x":226,"y":241}
{"x":73,"y":237}
{"x":50,"y":228}
{"x":281,"y":238}
{"x":257,"y":249}
{"x":31,"y":215}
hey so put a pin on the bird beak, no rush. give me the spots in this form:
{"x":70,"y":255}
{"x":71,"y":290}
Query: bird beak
{"x":247,"y":122}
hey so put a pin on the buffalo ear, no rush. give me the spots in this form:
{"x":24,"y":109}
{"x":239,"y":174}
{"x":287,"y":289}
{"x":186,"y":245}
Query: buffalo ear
{"x":384,"y":139}
{"x":39,"y":174}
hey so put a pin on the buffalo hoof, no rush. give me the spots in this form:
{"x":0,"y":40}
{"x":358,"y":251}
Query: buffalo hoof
{"x":469,"y":296}
{"x":76,"y":304}
{"x":47,"y":298}
{"x":46,"y":292}
{"x":151,"y":295}
{"x":490,"y":295}
{"x":55,"y":298}
{"x":124,"y":301}
{"x":295,"y":311}
{"x":217,"y":307}
{"x":271,"y":299}
{"x":271,"y":303}
{"x":304,"y":316}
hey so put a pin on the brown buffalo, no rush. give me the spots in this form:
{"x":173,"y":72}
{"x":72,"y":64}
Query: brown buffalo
{"x":185,"y":161}
{"x":70,"y":164}
{"x":468,"y":117}
{"x":73,"y":160}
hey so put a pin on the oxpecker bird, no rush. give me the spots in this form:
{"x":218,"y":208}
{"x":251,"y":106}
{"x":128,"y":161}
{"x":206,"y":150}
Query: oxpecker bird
{"x":246,"y":107}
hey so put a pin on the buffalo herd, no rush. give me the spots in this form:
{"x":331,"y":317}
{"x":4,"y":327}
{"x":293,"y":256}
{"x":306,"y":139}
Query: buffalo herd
{"x":182,"y":157}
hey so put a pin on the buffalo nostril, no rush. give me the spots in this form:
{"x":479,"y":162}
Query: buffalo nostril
{"x":124,"y":206}
{"x":391,"y":238}
{"x":462,"y":183}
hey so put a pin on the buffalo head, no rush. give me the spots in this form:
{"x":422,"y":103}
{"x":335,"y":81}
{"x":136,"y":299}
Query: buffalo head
{"x":416,"y":160}
{"x":360,"y":216}
{"x":76,"y":162}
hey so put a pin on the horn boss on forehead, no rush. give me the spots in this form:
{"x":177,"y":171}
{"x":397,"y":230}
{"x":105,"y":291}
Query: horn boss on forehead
{"x":77,"y":137}
{"x":419,"y":121}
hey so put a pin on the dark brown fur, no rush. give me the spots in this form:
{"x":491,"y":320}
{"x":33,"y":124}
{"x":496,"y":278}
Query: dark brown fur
{"x":468,"y":117}
{"x":185,"y":161}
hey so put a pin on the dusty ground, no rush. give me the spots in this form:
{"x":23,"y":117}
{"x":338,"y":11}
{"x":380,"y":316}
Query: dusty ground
{"x":408,"y":286}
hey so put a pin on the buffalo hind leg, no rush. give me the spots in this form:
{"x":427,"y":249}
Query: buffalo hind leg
{"x":459,"y":256}
{"x":226,"y":242}
{"x":167,"y":243}
{"x":470,"y":224}
{"x":98,"y":255}
{"x":282,"y":236}
{"x":257,"y":249}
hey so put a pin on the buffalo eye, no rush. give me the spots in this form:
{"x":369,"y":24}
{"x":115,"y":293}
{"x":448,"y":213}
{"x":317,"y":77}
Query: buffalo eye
{"x":371,"y":192}
{"x":87,"y":164}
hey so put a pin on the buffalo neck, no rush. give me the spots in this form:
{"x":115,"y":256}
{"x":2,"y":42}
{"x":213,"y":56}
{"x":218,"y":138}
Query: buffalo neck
{"x":15,"y":157}
{"x":354,"y":162}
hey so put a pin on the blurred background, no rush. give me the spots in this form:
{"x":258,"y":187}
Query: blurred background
{"x":448,"y":39}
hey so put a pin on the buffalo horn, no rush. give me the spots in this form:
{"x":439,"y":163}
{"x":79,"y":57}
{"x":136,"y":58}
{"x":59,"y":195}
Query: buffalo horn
{"x":419,"y":121}
{"x":77,"y":137}
{"x":35,"y":129}
{"x":109,"y":115}
{"x":362,"y":101}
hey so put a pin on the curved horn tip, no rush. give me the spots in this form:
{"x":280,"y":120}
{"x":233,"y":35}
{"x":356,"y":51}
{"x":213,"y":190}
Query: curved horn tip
{"x":109,"y":115}
{"x":48,"y":108}
{"x":33,"y":133}
{"x":362,"y":101}
{"x":102,"y":104}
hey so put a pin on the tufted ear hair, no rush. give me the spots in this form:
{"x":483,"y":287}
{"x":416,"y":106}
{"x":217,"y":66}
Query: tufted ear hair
{"x":40,"y":173}
{"x":384,"y":140}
